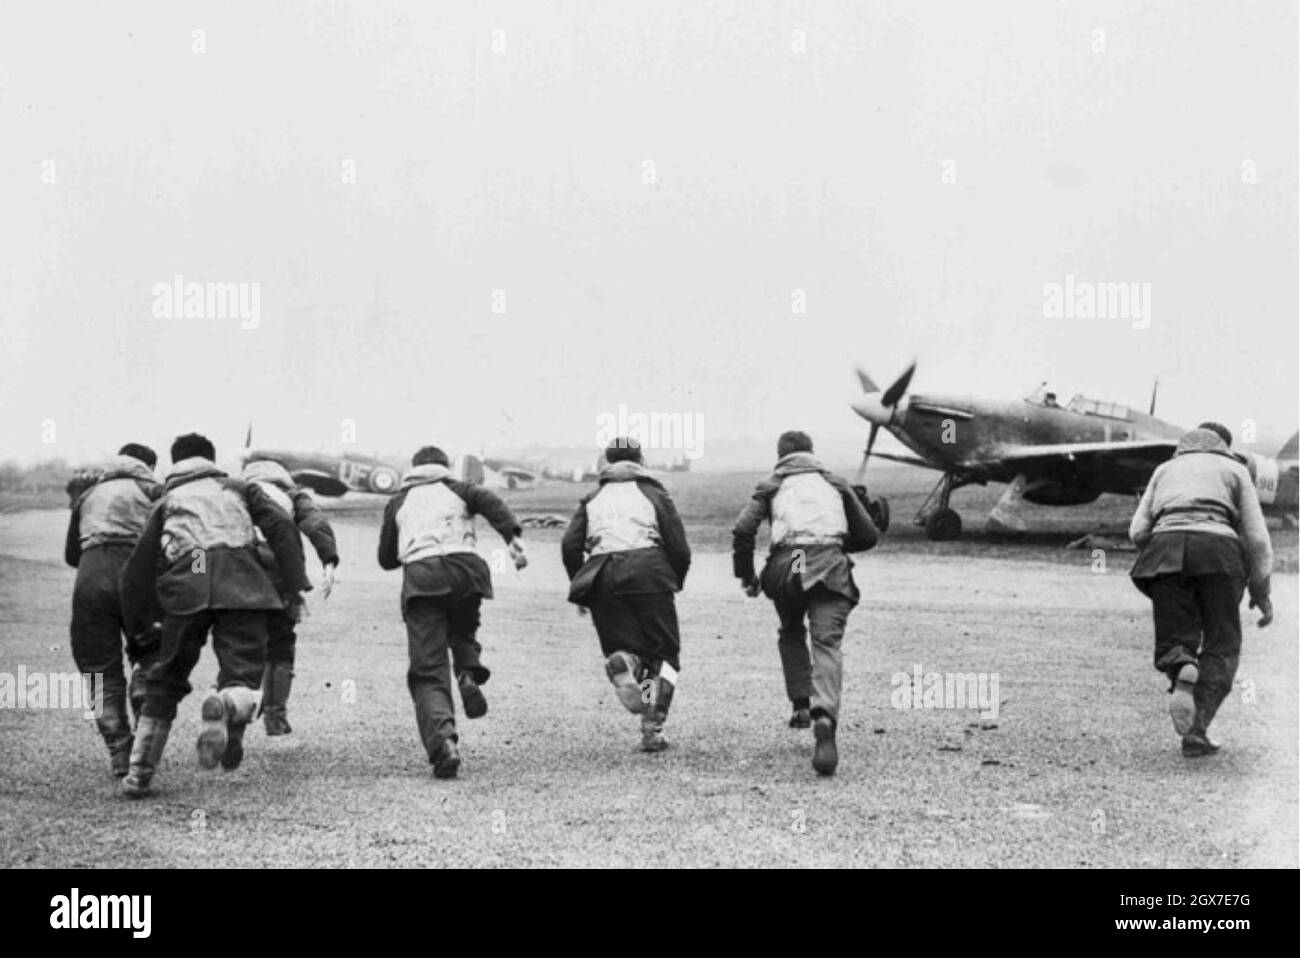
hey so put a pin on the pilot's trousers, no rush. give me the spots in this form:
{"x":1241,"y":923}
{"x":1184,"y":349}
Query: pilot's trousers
{"x":1198,"y":620}
{"x":644,"y":624}
{"x":819,"y":676}
{"x":438,"y":630}
{"x":238,"y":638}
{"x":97,"y":639}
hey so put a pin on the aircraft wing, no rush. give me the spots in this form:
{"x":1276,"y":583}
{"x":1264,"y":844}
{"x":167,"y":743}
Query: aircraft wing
{"x":512,"y":469}
{"x":321,"y":483}
{"x":1154,"y":451}
{"x":909,"y":460}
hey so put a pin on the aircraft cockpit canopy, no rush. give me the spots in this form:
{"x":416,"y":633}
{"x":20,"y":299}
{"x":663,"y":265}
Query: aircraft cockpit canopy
{"x":1042,"y":396}
{"x":1092,"y":407}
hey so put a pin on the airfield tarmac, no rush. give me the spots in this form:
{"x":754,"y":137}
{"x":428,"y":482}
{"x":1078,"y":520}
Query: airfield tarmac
{"x":1080,"y":768}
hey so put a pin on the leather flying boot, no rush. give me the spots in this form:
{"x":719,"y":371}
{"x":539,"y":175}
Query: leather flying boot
{"x":1182,"y":704}
{"x":241,"y":705}
{"x":826,"y":757}
{"x":656,"y":710}
{"x":275,"y":698}
{"x":150,"y":740}
{"x":622,"y":669}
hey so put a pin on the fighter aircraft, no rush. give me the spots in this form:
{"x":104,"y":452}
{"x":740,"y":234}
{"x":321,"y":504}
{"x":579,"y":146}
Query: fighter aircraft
{"x":514,"y":474}
{"x":335,"y":475}
{"x":330,"y":475}
{"x":1277,"y":480}
{"x":327,"y":474}
{"x":1047,"y":453}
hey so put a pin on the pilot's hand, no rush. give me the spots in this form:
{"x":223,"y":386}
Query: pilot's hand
{"x":1260,"y":593}
{"x":517,"y":554}
{"x":1265,"y":606}
{"x":751,"y":587}
{"x":327,"y":580}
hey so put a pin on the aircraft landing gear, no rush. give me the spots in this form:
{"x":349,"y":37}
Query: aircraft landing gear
{"x":941,"y":523}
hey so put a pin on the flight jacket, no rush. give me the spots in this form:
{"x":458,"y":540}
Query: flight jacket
{"x":114,"y":510}
{"x":199,"y":549}
{"x":273,"y":479}
{"x":625,"y":538}
{"x":1202,"y":490}
{"x":430,"y":534}
{"x":811,"y":538}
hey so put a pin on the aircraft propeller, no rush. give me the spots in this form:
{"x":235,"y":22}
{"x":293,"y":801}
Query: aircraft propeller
{"x":878,"y":408}
{"x":899,"y":386}
{"x":248,"y":443}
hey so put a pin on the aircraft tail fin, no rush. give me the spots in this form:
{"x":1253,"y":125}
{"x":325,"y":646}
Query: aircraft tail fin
{"x":469,"y":468}
{"x":1291,"y":451}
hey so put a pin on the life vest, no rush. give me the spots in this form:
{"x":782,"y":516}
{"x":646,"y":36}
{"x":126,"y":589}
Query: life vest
{"x":620,"y":518}
{"x":808,"y":510}
{"x":204,"y":514}
{"x":433,"y":521}
{"x":113,"y":511}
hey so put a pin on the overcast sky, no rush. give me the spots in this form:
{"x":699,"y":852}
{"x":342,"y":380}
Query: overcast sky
{"x":644,"y":188}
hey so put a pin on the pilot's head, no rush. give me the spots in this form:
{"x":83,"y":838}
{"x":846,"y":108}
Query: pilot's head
{"x":623,"y":449}
{"x":430,"y":456}
{"x":192,"y":445}
{"x":793,"y":441}
{"x":267,"y":470}
{"x":1220,"y":429}
{"x":142,"y":453}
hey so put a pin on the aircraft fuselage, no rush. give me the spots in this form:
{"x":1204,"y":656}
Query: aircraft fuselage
{"x":964,"y":435}
{"x":329,"y":475}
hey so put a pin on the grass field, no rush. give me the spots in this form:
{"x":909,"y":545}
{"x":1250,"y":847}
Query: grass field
{"x":710,"y":502}
{"x":1080,"y":767}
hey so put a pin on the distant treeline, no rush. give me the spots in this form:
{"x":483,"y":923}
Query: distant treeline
{"x":51,"y":475}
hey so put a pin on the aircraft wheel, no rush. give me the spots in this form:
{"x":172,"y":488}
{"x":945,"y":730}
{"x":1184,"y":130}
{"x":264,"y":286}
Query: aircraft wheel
{"x":943,"y":526}
{"x":383,"y":481}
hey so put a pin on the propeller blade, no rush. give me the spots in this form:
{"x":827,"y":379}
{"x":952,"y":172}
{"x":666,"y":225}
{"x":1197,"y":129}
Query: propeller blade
{"x":871,"y":441}
{"x":865,"y":381}
{"x":861,"y":476}
{"x":899,"y":386}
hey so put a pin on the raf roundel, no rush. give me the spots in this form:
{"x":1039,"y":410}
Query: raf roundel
{"x":383,"y":480}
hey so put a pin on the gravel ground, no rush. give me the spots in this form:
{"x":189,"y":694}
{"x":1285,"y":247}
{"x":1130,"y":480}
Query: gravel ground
{"x":1079,"y":768}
